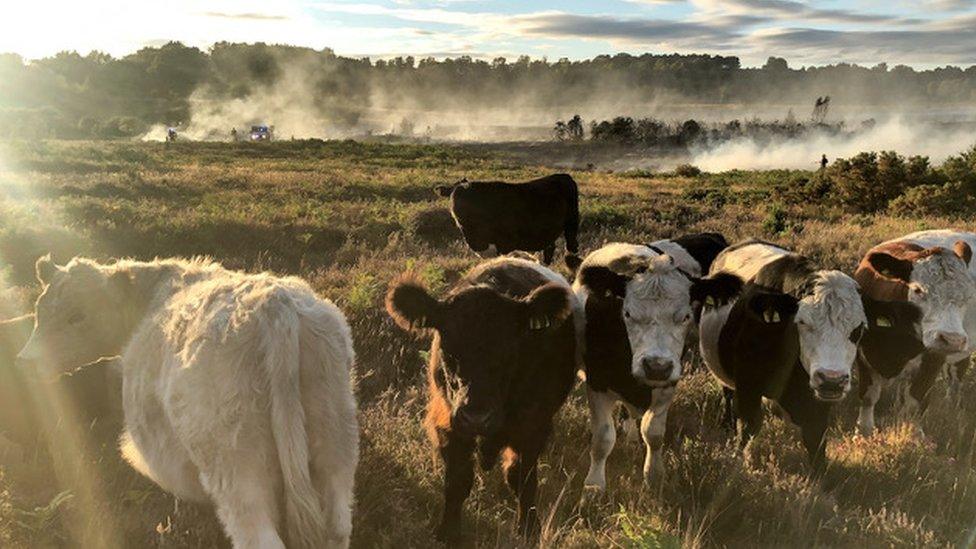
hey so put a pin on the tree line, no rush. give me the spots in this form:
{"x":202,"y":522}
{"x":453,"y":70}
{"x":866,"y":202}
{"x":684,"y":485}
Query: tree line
{"x":70,"y":95}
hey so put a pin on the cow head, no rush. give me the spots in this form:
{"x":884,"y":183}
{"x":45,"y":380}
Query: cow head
{"x":893,"y":335}
{"x":657,"y":309}
{"x":448,"y":190}
{"x":80,"y":317}
{"x":830,"y":321}
{"x":478,"y":334}
{"x":936,"y":280}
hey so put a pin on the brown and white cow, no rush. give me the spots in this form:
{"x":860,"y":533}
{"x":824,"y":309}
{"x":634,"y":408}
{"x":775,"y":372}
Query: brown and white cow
{"x":502,"y":362}
{"x":933,"y":271}
{"x":639,"y":309}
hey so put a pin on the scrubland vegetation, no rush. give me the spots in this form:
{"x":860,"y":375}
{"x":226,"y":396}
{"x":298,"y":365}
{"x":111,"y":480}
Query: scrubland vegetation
{"x":350,"y":216}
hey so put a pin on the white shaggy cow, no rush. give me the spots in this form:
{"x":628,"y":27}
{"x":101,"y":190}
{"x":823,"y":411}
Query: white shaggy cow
{"x":236,"y":387}
{"x":638,"y":308}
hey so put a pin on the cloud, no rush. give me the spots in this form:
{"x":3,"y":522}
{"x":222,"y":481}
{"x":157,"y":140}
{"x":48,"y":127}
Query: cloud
{"x":926,"y":45}
{"x":793,"y":10}
{"x":644,"y":30}
{"x":253,"y":16}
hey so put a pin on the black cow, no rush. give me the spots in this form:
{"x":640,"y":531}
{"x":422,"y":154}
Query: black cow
{"x":502,"y":362}
{"x":498,"y":218}
{"x":702,"y":247}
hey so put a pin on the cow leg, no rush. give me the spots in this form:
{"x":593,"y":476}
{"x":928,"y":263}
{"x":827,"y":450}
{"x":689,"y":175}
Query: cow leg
{"x":457,"y":454}
{"x":603,"y":434}
{"x":246,"y":501}
{"x":653,"y":425}
{"x":917,"y":396}
{"x":813,"y":434}
{"x":869,"y":385}
{"x":749,"y":418}
{"x":630,"y":417}
{"x":728,"y":416}
{"x":521,"y":475}
{"x":956,"y":372}
{"x":548,"y":253}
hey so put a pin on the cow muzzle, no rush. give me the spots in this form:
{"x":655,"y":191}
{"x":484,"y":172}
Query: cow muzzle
{"x":949,"y":342}
{"x":830,"y":385}
{"x":656,"y":369}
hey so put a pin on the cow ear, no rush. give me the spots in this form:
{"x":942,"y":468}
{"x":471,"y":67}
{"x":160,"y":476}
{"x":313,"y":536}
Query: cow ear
{"x":444,"y":190}
{"x":716,"y":290}
{"x":548,"y":306}
{"x":411,"y":307}
{"x":773,"y":308}
{"x":890,"y":266}
{"x":45,"y":269}
{"x":963,"y":250}
{"x":604,"y":281}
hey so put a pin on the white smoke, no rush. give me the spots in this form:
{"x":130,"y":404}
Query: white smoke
{"x":907,"y":138}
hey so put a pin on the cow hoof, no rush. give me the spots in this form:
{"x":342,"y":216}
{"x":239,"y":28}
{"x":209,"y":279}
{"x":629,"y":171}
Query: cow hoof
{"x":593,"y":495}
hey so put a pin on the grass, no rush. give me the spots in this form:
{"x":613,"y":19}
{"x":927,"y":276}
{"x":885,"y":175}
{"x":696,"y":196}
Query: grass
{"x":349,"y":217}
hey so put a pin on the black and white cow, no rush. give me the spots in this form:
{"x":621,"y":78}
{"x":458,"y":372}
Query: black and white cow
{"x":638,"y":308}
{"x":929,"y":276}
{"x":790,"y":337}
{"x":498,"y":218}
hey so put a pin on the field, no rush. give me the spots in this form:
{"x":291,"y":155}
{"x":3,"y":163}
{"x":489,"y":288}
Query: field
{"x":349,"y":217}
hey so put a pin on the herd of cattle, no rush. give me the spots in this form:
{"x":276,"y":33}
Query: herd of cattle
{"x":237,"y":388}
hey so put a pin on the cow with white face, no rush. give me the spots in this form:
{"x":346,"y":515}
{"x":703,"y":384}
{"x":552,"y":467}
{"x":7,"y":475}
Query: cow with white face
{"x":932,"y":271}
{"x":638,"y":306}
{"x":791,"y":337}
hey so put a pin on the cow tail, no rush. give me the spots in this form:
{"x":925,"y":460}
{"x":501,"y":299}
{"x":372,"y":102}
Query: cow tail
{"x":571,"y":226}
{"x":304,"y":518}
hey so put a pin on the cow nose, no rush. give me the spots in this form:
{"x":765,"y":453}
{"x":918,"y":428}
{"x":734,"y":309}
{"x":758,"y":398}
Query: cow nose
{"x":657,"y":368}
{"x":831,"y":380}
{"x":950,"y":341}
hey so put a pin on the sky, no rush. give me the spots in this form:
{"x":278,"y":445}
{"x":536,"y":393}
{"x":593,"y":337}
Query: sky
{"x":921,"y":33}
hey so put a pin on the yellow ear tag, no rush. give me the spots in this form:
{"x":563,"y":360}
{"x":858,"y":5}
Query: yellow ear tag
{"x":883,"y":322}
{"x":776,"y":316}
{"x":709,"y":301}
{"x":768,"y":316}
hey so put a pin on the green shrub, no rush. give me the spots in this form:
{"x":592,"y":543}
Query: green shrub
{"x":869,"y":181}
{"x":950,"y":200}
{"x":687,"y":170}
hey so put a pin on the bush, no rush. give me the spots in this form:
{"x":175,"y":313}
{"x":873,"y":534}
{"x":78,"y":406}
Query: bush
{"x":866,"y":183}
{"x":434,"y":226}
{"x":951,"y":200}
{"x":687,"y":170}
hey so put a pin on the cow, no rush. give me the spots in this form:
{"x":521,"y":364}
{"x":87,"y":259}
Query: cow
{"x":790,"y":337}
{"x":497,"y":217}
{"x":638,"y":304}
{"x":236,"y":388}
{"x":933,"y":271}
{"x":694,"y":252}
{"x":502,"y":362}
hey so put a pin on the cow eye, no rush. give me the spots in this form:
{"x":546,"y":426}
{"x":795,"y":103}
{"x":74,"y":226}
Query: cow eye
{"x":857,"y":333}
{"x":626,"y":314}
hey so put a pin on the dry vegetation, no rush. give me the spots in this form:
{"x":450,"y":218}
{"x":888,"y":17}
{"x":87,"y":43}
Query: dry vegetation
{"x":350,"y":216}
